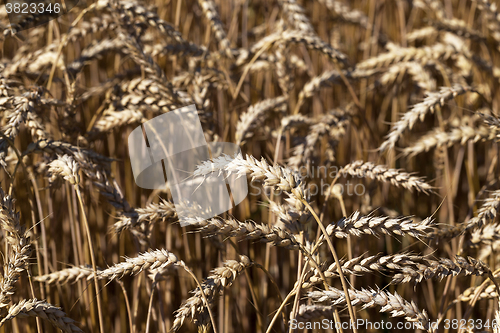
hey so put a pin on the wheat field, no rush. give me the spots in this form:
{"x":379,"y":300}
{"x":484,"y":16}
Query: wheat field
{"x":369,"y":138}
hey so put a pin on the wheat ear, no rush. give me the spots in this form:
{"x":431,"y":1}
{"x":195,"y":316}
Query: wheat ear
{"x":382,"y":173}
{"x":488,"y":211}
{"x":256,"y":114}
{"x":295,"y":15}
{"x":18,"y":239}
{"x":68,"y":275}
{"x":220,"y":278}
{"x":419,"y":111}
{"x":393,"y":303}
{"x":44,"y":310}
{"x":438,"y":137}
{"x":162,"y":211}
{"x":148,"y":260}
{"x":210,"y":12}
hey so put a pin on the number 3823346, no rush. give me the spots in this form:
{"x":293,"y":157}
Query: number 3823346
{"x":32,"y":8}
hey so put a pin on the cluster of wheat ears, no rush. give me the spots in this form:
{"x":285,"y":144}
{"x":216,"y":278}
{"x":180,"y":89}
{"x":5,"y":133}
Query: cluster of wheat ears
{"x":369,"y":134}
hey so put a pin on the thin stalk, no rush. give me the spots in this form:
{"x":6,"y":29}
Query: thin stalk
{"x":337,"y":262}
{"x":202,"y":295}
{"x":127,"y":304}
{"x":297,"y":287}
{"x":92,"y":257}
{"x":299,"y":273}
{"x":150,"y":307}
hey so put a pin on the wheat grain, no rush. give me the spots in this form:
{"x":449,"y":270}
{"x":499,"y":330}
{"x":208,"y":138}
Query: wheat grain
{"x":313,"y":311}
{"x":273,"y":176}
{"x":66,"y":167}
{"x":419,"y":74}
{"x":470,"y":293}
{"x":329,"y":125}
{"x":402,"y":268}
{"x":459,"y":28}
{"x":422,"y":33}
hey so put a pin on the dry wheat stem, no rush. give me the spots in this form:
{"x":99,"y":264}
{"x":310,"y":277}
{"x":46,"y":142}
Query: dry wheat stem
{"x":337,"y":262}
{"x":91,"y":248}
